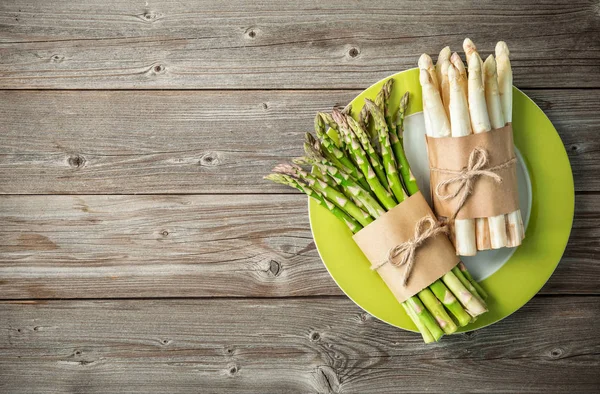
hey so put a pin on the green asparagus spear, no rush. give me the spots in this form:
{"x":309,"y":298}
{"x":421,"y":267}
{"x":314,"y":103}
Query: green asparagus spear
{"x":330,"y":193}
{"x":471,"y":304}
{"x":363,"y":163}
{"x":476,"y":285}
{"x":427,"y":337}
{"x":328,"y":120}
{"x":438,"y":311}
{"x":447,"y":298}
{"x":410,"y":183}
{"x":349,"y":185}
{"x":387,"y":110}
{"x":328,"y":144}
{"x":428,"y":320}
{"x":468,"y":285}
{"x":389,"y":162}
{"x":399,"y":121}
{"x":368,"y":148}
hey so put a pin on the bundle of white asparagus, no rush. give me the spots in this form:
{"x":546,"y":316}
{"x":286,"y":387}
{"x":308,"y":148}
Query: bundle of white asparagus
{"x":456,"y":104}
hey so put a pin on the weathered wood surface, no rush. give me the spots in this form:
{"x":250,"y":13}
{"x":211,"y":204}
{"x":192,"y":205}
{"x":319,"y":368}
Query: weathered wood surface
{"x":205,"y":225}
{"x":198,"y":246}
{"x":325,"y":345}
{"x":304,"y":44}
{"x":202,"y":142}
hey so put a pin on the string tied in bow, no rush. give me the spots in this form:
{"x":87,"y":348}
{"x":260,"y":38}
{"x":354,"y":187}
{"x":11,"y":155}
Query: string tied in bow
{"x":464,"y":179}
{"x":404,"y":253}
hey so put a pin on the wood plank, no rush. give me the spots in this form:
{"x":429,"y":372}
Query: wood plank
{"x":198,"y":246}
{"x":308,"y":44}
{"x":324,"y":345}
{"x":201,"y":142}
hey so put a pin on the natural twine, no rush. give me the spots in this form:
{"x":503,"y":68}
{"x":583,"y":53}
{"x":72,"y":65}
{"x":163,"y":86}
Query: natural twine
{"x":466,"y":177}
{"x":404,"y":253}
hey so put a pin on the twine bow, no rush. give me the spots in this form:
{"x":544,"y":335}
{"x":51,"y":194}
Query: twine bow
{"x":466,"y":177}
{"x":404,"y":253}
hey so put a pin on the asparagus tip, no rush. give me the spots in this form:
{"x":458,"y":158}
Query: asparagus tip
{"x":425,"y":62}
{"x":444,"y":53}
{"x":338,"y":117}
{"x":474,"y":64}
{"x":285,"y":169}
{"x":469,"y":46}
{"x":387,"y":88}
{"x":489,"y":66}
{"x":404,"y":100}
{"x":502,"y":49}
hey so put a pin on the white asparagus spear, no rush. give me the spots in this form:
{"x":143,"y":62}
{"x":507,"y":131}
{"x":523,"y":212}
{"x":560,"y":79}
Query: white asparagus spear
{"x":480,"y":120}
{"x":425,"y":63}
{"x":481,"y":124}
{"x":482,"y":234}
{"x":505,"y":79}
{"x":495,"y":119}
{"x":482,"y":231}
{"x":439,"y":124}
{"x":515,"y":229}
{"x":465,"y":241}
{"x":460,"y":121}
{"x":470,"y":50}
{"x":460,"y":67}
{"x":492,"y":93}
{"x":443,"y":56}
{"x":445,"y":86}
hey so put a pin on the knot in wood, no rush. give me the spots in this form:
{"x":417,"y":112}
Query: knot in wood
{"x":233,"y":369}
{"x":159,"y":68}
{"x":76,"y":161}
{"x":56,"y":58}
{"x":556,"y":353}
{"x":353,"y":52}
{"x":209,"y":159}
{"x":274,"y":268}
{"x":251,"y":33}
{"x":149,"y":16}
{"x":315,"y":336}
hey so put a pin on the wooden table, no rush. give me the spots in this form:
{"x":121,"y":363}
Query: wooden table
{"x":140,"y":250}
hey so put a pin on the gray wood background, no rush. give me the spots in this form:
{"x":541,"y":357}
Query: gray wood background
{"x":140,"y":251}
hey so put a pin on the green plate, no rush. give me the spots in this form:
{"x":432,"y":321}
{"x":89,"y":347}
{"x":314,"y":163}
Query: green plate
{"x":527,"y":270}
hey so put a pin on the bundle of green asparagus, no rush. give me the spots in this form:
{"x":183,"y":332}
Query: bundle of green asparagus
{"x":458,"y":104}
{"x":359,"y":171}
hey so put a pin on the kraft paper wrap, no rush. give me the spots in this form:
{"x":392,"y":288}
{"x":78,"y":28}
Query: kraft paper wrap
{"x":432,"y":260}
{"x":488,"y":198}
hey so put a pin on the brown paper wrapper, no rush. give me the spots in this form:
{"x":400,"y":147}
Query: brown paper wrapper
{"x":432,"y":259}
{"x":489,"y":198}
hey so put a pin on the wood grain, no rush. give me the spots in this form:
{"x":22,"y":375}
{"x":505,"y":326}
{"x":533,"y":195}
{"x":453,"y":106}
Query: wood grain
{"x":198,"y":246}
{"x":106,"y":142}
{"x":222,"y":44}
{"x":325,"y":345}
